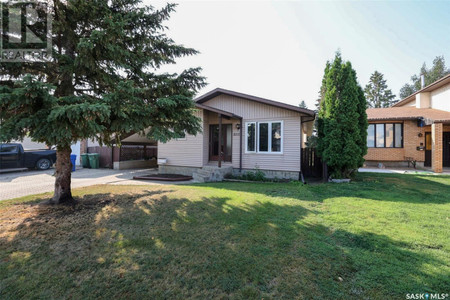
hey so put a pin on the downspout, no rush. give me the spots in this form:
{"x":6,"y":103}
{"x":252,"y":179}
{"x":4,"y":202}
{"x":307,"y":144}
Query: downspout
{"x":300,"y":174}
{"x":220,"y":141}
{"x":240,"y":146}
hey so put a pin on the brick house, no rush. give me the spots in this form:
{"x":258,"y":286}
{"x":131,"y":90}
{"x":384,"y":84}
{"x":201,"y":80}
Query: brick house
{"x":415,"y":130}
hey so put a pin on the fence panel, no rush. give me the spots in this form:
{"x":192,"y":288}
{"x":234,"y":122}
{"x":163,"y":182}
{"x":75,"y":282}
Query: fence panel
{"x":105,"y":155}
{"x":133,"y":152}
{"x":311,"y":164}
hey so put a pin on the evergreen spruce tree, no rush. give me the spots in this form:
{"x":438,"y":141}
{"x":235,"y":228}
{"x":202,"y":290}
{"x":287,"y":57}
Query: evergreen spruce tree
{"x":377,"y":92}
{"x":102,"y":81}
{"x":303,"y":104}
{"x":342,"y":122}
{"x":436,"y":72}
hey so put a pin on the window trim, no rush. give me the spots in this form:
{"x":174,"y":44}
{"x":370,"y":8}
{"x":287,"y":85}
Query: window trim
{"x":269,"y":138}
{"x":384,"y":129}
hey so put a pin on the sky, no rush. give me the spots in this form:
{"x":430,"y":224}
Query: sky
{"x":278,"y":50}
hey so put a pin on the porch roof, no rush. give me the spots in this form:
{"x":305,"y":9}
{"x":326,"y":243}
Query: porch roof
{"x":408,"y":113}
{"x":216,"y":110}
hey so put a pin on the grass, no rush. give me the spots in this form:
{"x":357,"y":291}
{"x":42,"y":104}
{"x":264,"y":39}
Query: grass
{"x":384,"y":235}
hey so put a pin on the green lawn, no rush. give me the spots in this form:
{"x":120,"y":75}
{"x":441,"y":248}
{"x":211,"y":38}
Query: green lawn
{"x":380,"y":237}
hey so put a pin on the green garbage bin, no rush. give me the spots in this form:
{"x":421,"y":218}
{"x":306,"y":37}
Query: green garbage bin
{"x":94,"y":160}
{"x":85,"y":160}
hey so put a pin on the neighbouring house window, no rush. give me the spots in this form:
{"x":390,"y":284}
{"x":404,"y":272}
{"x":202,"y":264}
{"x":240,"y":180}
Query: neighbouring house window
{"x":398,"y":135}
{"x":379,"y":134}
{"x":389,"y":135}
{"x":371,"y":136}
{"x":264,"y":137}
{"x":389,"y":129}
{"x":251,"y":137}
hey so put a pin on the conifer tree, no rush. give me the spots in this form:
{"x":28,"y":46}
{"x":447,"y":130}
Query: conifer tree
{"x":377,"y":92}
{"x":103,"y":80}
{"x":342,"y":121}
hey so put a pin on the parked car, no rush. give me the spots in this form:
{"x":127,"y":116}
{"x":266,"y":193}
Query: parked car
{"x":14,"y":156}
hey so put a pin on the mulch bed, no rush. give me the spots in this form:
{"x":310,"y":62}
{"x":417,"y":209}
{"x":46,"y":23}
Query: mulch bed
{"x":164,"y":177}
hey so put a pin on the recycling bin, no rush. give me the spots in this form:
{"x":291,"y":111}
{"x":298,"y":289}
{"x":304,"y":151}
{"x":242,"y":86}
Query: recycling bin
{"x":85,"y":160}
{"x":94,"y":160}
{"x":73,"y":159}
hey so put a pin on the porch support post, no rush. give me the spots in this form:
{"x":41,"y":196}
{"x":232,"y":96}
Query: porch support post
{"x":220,"y":141}
{"x":240,"y":144}
{"x":437,"y":144}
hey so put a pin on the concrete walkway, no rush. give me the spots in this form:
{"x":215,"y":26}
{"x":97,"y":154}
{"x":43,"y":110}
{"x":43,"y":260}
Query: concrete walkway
{"x":19,"y":184}
{"x":446,"y":171}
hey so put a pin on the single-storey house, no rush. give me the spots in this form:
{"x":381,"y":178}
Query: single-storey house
{"x":414,"y":130}
{"x":240,"y":133}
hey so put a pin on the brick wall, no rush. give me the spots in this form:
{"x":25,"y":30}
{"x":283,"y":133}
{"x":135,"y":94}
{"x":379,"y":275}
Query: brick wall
{"x":411,"y":140}
{"x":436,"y":152}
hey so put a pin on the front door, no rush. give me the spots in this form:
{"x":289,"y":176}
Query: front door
{"x":428,"y":149}
{"x":446,"y":150}
{"x":214,"y":142}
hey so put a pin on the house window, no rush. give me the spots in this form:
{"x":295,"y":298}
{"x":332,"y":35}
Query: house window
{"x":276,"y":137}
{"x":389,"y":135}
{"x":264,"y":137}
{"x":251,"y":137}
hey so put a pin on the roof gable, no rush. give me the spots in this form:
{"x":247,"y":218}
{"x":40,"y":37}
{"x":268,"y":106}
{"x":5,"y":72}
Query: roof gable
{"x":429,"y":88}
{"x":218,"y":91}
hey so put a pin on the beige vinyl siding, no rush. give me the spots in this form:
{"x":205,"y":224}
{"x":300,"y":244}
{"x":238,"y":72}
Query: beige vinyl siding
{"x":440,"y":98}
{"x":252,"y":111}
{"x":183,"y":152}
{"x":249,"y":109}
{"x":289,"y":160}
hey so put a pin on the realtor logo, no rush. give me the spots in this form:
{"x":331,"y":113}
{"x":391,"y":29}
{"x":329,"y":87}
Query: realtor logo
{"x":25,"y":31}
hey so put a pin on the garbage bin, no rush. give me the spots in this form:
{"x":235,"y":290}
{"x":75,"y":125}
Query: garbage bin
{"x":73,"y":159}
{"x":85,"y":160}
{"x":94,"y":160}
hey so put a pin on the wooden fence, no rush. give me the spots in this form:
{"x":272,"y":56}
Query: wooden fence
{"x":132,"y":152}
{"x":109,"y":155}
{"x":311,"y":164}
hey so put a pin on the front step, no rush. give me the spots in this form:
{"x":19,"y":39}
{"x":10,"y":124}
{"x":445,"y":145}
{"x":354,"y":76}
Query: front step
{"x":211,"y":173}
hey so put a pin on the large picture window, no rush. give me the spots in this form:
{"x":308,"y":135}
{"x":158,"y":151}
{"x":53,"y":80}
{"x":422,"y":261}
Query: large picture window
{"x":385,"y":135}
{"x":264,"y":137}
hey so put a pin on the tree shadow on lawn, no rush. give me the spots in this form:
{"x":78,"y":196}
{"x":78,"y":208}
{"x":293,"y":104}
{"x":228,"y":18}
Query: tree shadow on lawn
{"x":157,"y":245}
{"x":420,"y":189}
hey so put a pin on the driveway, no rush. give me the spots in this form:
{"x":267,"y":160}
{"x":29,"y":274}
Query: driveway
{"x":19,"y":184}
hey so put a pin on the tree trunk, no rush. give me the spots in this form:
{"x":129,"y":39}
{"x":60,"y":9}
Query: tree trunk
{"x":63,"y":176}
